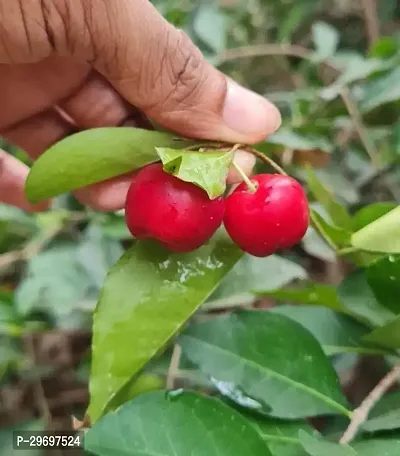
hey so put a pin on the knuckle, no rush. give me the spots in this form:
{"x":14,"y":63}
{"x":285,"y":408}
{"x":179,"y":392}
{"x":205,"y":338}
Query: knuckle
{"x":181,"y":73}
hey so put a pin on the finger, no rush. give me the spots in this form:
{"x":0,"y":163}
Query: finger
{"x":245,"y":161}
{"x":38,"y":133}
{"x":109,"y":195}
{"x":158,"y":69}
{"x":13,"y":174}
{"x":97,"y":104}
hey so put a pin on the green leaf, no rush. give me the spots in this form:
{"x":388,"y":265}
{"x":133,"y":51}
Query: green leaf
{"x":207,"y":169}
{"x":368,"y":214}
{"x":336,"y":211}
{"x":210,"y":26}
{"x":381,"y":91}
{"x":175,"y":424}
{"x":336,"y":333}
{"x":385,"y":415}
{"x":387,"y":336}
{"x":282,"y":436}
{"x":316,"y":246}
{"x":325,"y":38}
{"x":295,"y":140}
{"x":315,"y":294}
{"x":251,"y":273}
{"x":336,"y":237}
{"x":378,"y":447}
{"x":316,"y":446}
{"x":384,"y":279}
{"x":359,"y":300}
{"x":147,"y":297}
{"x":6,"y":438}
{"x":382,"y":235}
{"x":93,"y":156}
{"x":251,"y":350}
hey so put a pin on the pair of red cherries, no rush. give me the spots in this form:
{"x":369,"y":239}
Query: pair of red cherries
{"x":271,"y":216}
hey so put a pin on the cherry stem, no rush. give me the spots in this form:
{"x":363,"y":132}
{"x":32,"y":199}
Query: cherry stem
{"x":266,"y":160}
{"x":252,"y":188}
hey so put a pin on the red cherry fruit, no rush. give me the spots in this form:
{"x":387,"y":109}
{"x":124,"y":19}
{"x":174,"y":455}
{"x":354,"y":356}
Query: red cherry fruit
{"x":178,"y":214}
{"x":273,"y":217}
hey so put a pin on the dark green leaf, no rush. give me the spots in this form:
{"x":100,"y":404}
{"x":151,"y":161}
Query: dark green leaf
{"x":368,"y":214}
{"x":174,"y":424}
{"x":382,"y":235}
{"x":316,"y":446}
{"x":336,"y":333}
{"x":384,"y":279}
{"x":336,"y":237}
{"x":148,"y":295}
{"x":251,"y":273}
{"x":325,"y":38}
{"x":359,"y":300}
{"x":387,"y":336}
{"x":378,"y":447}
{"x":316,"y":294}
{"x":282,"y":436}
{"x":208,"y":169}
{"x":336,"y":211}
{"x":93,"y":156}
{"x":251,"y":351}
{"x":381,"y":91}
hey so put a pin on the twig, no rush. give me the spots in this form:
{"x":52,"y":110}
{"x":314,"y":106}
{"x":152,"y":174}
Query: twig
{"x":173,"y":367}
{"x":360,"y":415}
{"x":304,"y":53}
{"x":371,"y":20}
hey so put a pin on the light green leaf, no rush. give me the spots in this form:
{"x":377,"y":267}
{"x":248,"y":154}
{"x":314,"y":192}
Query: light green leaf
{"x":147,"y":297}
{"x":174,"y":424}
{"x":315,"y":294}
{"x":382,"y":235}
{"x":338,"y":213}
{"x":251,"y":273}
{"x":378,"y":447}
{"x":381,"y":91}
{"x":250,"y":351}
{"x":326,"y":39}
{"x":295,"y":140}
{"x":207,"y":169}
{"x":282,"y":436}
{"x":359,"y":300}
{"x":316,"y":446}
{"x":336,"y":333}
{"x":210,"y":26}
{"x":368,"y":214}
{"x":387,"y":336}
{"x":316,"y":246}
{"x":93,"y":156}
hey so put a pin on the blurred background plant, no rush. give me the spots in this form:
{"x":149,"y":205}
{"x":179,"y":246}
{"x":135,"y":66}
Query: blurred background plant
{"x":332,"y":67}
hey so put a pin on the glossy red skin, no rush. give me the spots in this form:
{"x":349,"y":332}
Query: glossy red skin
{"x":275,"y":217}
{"x":178,"y":214}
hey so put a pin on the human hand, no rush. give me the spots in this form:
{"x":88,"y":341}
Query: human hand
{"x":70,"y":65}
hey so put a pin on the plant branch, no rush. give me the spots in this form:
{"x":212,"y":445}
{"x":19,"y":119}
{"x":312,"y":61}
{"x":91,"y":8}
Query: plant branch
{"x":360,"y":415}
{"x":174,"y":367}
{"x":371,"y":20}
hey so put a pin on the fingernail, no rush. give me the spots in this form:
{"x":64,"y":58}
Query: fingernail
{"x":248,"y":113}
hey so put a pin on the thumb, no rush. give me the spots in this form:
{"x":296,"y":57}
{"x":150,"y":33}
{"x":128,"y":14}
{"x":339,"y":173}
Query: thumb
{"x":160,"y":71}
